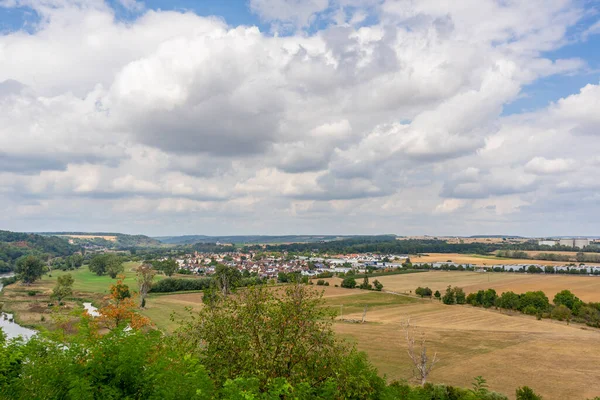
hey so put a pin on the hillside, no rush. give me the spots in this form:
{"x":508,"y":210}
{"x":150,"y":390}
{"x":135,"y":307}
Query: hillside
{"x":16,"y":244}
{"x":254,"y":239}
{"x":106,"y":239}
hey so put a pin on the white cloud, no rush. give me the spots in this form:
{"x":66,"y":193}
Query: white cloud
{"x":179,"y":117}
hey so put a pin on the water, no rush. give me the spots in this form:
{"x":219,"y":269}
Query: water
{"x":12,"y":329}
{"x":9,"y":326}
{"x":93,"y":311}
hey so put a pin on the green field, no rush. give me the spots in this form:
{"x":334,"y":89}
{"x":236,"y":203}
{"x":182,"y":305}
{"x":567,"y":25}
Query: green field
{"x":87,"y":281}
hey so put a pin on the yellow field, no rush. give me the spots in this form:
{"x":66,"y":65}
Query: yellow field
{"x":110,"y":238}
{"x":586,"y":288}
{"x":557,"y":360}
{"x":481,"y":260}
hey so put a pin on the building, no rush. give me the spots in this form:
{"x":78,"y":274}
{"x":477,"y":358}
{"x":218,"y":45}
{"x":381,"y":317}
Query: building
{"x":547,"y":242}
{"x":575,"y":243}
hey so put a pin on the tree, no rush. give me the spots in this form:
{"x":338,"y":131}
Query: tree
{"x":417,"y":351}
{"x":145,"y":275}
{"x":568,"y":299}
{"x":378,"y":285}
{"x":349,"y":283}
{"x":449,"y":297}
{"x":169,"y":266}
{"x":227,"y":278}
{"x":29,"y":269}
{"x":64,"y":287}
{"x":366,"y":285}
{"x":110,"y":264}
{"x":437,"y":294}
{"x":423,"y":292}
{"x":120,"y":309}
{"x":269,"y":335}
{"x":508,"y":301}
{"x":459,"y":295}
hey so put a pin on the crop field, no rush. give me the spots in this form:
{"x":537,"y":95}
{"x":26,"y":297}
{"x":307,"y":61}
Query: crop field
{"x":508,"y":350}
{"x":477,"y":259}
{"x":109,"y":238}
{"x":586,"y":288}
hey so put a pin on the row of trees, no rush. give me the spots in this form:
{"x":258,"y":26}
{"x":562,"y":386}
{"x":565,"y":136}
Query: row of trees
{"x":349,"y":282}
{"x":565,"y":305}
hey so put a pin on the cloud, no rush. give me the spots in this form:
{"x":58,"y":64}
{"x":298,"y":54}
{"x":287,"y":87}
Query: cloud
{"x":541,"y":165}
{"x":365,"y":116}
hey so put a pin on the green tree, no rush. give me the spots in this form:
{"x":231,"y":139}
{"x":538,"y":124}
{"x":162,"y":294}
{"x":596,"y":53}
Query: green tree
{"x":526,"y":393}
{"x":64,"y":287}
{"x":29,"y":268}
{"x":568,"y":299}
{"x":378,"y":285}
{"x":269,"y":335}
{"x":459,"y":295}
{"x":169,"y":266}
{"x":366,"y":285}
{"x":226,"y":278}
{"x":110,"y":264}
{"x":450,"y":296}
{"x":349,"y":282}
{"x":508,"y":301}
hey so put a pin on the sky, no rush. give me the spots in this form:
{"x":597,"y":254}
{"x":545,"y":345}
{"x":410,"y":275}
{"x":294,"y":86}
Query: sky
{"x":215,"y":117}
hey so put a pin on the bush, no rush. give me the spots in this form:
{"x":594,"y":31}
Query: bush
{"x":180,"y":285}
{"x":320,"y":282}
{"x":349,"y":283}
{"x":32,"y":292}
{"x":561,"y":313}
{"x":526,"y":393}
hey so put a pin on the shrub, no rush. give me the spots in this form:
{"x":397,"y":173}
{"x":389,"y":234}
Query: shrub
{"x":349,"y":283}
{"x":31,"y":293}
{"x":526,"y":393}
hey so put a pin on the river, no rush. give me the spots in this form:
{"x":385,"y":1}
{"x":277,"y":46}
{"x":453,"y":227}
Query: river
{"x":9,"y":326}
{"x":12,"y":329}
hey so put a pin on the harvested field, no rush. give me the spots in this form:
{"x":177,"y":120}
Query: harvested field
{"x":586,"y":288}
{"x":109,"y":238}
{"x":508,"y":350}
{"x":476,"y":259}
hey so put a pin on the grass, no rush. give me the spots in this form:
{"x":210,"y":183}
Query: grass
{"x":87,"y":281}
{"x":374,"y":300}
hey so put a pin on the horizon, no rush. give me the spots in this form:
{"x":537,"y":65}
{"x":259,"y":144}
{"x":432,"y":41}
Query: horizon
{"x":285,"y":116}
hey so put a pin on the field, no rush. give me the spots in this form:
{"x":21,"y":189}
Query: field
{"x":482,"y":260}
{"x":508,"y":350}
{"x":110,"y":238}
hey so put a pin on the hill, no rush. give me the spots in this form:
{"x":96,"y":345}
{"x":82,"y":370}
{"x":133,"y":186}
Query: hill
{"x":105,"y":239}
{"x":254,"y":239}
{"x":16,"y":244}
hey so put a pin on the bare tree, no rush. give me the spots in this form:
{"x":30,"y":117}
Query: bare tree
{"x":145,"y":276}
{"x":417,"y":351}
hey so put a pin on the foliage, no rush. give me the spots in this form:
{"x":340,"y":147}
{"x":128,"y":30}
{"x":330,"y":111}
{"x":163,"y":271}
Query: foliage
{"x":118,"y":365}
{"x":423,"y":292}
{"x":366,"y":285}
{"x":106,"y":263}
{"x":168,"y":266}
{"x":64,"y":287}
{"x":377,"y":285}
{"x":526,"y":393}
{"x":349,"y":283}
{"x":227,"y":278}
{"x":120,"y":309}
{"x":568,"y":299}
{"x":29,"y":268}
